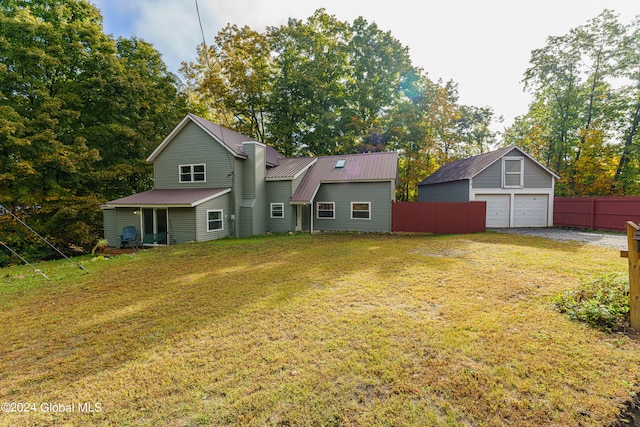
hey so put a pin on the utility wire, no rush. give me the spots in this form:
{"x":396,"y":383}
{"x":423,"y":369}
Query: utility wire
{"x":24,"y":260}
{"x":2,"y":208}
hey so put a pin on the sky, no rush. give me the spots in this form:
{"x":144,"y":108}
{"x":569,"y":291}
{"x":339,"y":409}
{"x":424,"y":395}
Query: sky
{"x":482,"y":45}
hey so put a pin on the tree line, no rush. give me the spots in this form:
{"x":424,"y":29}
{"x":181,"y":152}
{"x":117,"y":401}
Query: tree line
{"x":81,"y":110}
{"x":584,"y":117}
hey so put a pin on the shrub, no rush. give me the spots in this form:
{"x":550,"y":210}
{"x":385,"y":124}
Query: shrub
{"x":602,"y":301}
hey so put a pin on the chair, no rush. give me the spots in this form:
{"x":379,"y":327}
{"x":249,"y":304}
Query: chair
{"x":128,"y":237}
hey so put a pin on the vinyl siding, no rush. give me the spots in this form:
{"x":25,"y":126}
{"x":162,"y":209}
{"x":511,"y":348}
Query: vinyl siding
{"x":280,"y":192}
{"x":222,"y":202}
{"x":534,"y":175}
{"x":118,"y":219}
{"x":491,"y":177}
{"x":253,"y":220}
{"x":377,"y":193}
{"x":182,"y":225}
{"x":110,"y":231}
{"x":456,"y":191}
{"x":193,"y":146}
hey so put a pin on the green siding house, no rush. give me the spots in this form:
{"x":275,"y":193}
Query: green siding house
{"x":211,"y":182}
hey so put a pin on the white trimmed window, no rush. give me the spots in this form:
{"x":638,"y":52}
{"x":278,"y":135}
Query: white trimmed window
{"x":325,"y":210}
{"x":214,"y":220}
{"x":513,"y":172}
{"x":277,"y":210}
{"x":192,"y":173}
{"x":360,"y":210}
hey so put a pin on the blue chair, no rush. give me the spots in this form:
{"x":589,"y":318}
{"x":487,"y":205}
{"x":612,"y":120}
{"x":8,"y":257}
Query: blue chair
{"x":128,"y":237}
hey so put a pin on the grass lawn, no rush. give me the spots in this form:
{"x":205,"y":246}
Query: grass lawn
{"x":315,"y":330}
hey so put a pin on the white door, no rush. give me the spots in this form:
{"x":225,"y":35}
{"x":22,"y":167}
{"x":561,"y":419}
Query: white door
{"x":530,"y":210}
{"x":497,"y":209}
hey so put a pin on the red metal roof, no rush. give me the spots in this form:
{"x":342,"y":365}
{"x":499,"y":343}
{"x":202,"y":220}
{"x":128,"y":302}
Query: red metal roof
{"x":183,"y":197}
{"x":357,"y":168}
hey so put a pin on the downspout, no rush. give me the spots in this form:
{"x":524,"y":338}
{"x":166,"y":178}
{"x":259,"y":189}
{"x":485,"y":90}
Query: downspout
{"x":311,"y":219}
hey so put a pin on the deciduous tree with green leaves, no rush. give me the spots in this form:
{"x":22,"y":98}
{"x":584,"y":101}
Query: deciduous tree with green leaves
{"x":78,"y":113}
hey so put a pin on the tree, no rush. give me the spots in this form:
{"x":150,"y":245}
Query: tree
{"x":76,"y":108}
{"x":579,"y":108}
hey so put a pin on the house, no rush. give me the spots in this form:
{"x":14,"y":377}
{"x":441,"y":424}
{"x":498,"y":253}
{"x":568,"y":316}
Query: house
{"x":211,"y":182}
{"x":518,"y":190}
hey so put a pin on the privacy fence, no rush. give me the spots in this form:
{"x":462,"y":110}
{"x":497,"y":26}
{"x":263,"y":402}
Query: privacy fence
{"x":596,"y":213}
{"x":439,"y":217}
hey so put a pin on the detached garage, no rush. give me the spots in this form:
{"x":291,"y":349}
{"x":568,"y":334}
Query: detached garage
{"x":517,"y":189}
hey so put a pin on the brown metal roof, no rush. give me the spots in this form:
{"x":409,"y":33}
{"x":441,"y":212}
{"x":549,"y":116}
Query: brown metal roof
{"x":232,"y":140}
{"x":289,"y":168}
{"x":182,"y":197}
{"x":357,"y":167}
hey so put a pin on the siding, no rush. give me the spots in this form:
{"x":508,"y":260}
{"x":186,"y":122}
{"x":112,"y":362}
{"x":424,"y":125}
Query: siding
{"x":182,"y":225}
{"x":111,"y":233}
{"x":457,"y":191}
{"x":222,"y":202}
{"x":491,"y":177}
{"x":193,"y":146}
{"x":280,"y":192}
{"x":118,"y":219}
{"x":253,"y":212}
{"x":378,"y":193}
{"x":534,"y":175}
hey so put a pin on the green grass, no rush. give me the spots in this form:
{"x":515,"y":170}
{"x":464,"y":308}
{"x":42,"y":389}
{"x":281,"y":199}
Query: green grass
{"x":316,"y":330}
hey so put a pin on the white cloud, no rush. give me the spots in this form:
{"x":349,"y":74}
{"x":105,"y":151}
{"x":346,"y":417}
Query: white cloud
{"x":484,"y":46}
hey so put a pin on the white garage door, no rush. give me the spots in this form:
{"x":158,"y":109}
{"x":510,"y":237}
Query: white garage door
{"x":530,"y":210}
{"x":497,"y":209}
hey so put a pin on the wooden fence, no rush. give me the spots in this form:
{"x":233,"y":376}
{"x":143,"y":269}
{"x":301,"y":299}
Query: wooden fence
{"x":596,"y":213}
{"x":439,"y":217}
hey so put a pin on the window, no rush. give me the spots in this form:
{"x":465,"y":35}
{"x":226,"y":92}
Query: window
{"x":277,"y":210}
{"x":214,"y":220}
{"x":340,"y":164}
{"x":192,"y":173}
{"x":513,"y":175}
{"x":360,"y":210}
{"x":326,"y":210}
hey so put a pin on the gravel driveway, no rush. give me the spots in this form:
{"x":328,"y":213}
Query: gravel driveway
{"x":608,"y":240}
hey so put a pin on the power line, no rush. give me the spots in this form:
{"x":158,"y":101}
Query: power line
{"x":24,"y":260}
{"x":3,"y":209}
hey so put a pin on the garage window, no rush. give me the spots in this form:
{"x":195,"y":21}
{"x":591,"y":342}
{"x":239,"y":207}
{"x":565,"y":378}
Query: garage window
{"x":513,"y":172}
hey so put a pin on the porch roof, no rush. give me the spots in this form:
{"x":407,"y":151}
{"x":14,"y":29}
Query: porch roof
{"x":180,"y":197}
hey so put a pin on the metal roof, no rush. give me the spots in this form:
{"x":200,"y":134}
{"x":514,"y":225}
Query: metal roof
{"x":290,"y":168}
{"x":184,"y":197}
{"x":357,"y":167}
{"x":472,"y":166}
{"x":230,"y":139}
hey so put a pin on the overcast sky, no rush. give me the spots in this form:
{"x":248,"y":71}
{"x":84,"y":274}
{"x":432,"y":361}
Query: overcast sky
{"x":483,"y":45}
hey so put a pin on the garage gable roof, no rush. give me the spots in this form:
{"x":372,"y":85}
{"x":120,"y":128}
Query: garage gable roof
{"x":471,"y":166}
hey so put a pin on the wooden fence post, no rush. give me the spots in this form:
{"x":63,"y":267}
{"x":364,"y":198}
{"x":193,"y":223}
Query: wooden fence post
{"x":634,"y":277}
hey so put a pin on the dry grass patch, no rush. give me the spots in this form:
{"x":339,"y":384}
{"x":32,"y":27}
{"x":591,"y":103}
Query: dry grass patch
{"x":318,"y":330}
